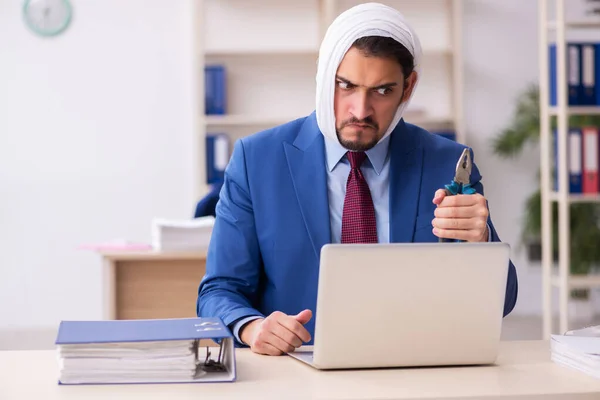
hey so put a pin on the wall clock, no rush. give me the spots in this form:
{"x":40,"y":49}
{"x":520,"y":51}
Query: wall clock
{"x":47,"y":17}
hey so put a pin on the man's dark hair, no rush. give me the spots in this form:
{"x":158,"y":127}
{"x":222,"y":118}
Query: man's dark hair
{"x":386,"y":47}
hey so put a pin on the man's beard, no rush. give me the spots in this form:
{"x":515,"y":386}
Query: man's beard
{"x":358,"y":146}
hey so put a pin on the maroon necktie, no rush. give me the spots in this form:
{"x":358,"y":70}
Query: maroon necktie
{"x":358,"y":218}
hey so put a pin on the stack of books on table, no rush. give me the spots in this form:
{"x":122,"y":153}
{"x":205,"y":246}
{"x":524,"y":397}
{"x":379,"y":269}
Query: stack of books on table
{"x":578,"y":349}
{"x":145,"y":351}
{"x":182,"y":235}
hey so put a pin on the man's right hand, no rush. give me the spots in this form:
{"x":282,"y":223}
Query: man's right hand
{"x":277,"y":334}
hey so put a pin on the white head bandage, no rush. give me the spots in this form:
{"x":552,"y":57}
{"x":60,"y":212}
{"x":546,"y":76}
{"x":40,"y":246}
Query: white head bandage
{"x":369,"y":19}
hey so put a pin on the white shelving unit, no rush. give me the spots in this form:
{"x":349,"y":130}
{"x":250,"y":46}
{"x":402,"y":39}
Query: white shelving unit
{"x":555,"y":30}
{"x":270,"y":53}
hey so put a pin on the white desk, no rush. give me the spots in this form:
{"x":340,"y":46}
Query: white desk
{"x":523,"y":371}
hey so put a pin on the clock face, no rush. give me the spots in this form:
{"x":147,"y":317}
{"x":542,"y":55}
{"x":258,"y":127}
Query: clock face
{"x":47,"y":17}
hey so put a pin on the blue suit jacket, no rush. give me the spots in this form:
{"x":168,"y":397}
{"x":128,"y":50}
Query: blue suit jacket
{"x":273,"y":216}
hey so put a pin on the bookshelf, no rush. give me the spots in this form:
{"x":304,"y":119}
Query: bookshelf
{"x":558,"y":30}
{"x":270,"y":53}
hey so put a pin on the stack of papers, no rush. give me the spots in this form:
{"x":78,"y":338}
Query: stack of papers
{"x":182,"y":235}
{"x":579,"y":349}
{"x":128,"y":362}
{"x":145,"y":351}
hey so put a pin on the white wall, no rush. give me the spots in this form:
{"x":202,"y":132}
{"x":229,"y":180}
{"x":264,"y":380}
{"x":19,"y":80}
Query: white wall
{"x":96,"y":138}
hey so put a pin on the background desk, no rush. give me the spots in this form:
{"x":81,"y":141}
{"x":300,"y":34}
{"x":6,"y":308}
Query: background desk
{"x":150,"y":284}
{"x":523,"y":371}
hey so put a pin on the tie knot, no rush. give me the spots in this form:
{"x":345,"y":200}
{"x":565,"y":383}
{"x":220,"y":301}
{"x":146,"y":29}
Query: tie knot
{"x":356,"y":158}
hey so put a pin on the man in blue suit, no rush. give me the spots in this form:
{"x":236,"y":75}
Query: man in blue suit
{"x":351,"y":172}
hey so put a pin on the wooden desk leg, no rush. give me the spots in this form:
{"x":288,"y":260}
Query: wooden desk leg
{"x":109,"y":288}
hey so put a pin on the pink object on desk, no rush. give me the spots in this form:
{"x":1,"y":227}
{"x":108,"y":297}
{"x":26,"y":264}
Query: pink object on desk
{"x":116,"y":246}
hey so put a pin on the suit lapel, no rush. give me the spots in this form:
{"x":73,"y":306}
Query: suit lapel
{"x":406,"y":162}
{"x":306,"y":161}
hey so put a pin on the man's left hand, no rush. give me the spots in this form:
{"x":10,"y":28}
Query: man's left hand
{"x":463,"y":217}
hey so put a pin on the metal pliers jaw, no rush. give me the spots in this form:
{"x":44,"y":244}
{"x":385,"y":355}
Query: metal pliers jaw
{"x":462,"y":177}
{"x":461,"y":184}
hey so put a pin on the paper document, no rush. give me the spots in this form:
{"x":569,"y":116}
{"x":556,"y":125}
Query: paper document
{"x":579,"y":349}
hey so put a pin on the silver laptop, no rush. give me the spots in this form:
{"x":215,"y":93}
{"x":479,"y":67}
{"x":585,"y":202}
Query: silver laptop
{"x":408,"y":304}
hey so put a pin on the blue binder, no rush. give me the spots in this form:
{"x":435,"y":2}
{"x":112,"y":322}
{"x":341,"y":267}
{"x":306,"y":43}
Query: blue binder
{"x":574,"y":74}
{"x":575,"y":92}
{"x":217,"y":157}
{"x":588,"y":74}
{"x":574,"y":160}
{"x":552,"y":74}
{"x":596,"y":100}
{"x":98,"y":352}
{"x":215,"y":88}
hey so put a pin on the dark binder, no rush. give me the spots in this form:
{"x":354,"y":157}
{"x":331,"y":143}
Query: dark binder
{"x":575,"y":91}
{"x":215,"y":90}
{"x":217,"y":157}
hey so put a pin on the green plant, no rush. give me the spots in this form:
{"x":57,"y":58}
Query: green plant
{"x":510,"y":143}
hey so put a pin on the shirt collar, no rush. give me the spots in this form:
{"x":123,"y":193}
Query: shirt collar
{"x":376,"y":155}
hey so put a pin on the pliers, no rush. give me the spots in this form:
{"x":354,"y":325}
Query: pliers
{"x":461,"y":184}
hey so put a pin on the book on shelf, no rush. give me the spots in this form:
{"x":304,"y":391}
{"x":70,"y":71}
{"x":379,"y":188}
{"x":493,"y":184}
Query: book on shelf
{"x":578,"y":349}
{"x":583,"y":158}
{"x":178,"y":350}
{"x":217,"y":156}
{"x":215,"y":90}
{"x":582,"y":73}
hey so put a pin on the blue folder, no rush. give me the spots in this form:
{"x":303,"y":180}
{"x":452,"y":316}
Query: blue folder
{"x":215,"y":88}
{"x":575,"y":91}
{"x":217,"y":157}
{"x":91,"y":345}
